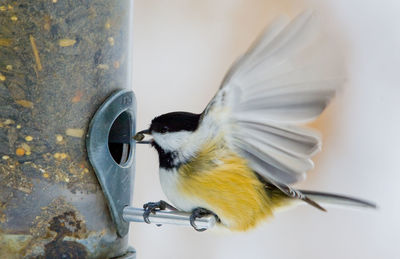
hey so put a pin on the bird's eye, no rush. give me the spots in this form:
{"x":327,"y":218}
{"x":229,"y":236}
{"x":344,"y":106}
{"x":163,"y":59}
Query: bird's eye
{"x":164,"y":129}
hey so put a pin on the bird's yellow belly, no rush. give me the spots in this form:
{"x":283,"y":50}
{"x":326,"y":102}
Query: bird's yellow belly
{"x":228,"y":187}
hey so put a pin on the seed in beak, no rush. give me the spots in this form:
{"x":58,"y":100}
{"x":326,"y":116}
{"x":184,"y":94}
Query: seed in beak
{"x":139,"y":137}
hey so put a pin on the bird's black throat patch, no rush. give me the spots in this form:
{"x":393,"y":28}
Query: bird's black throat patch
{"x":167,"y":160}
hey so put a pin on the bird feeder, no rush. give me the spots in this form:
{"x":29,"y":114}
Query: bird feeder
{"x":60,"y":61}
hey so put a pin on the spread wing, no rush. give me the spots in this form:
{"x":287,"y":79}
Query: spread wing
{"x":285,"y":79}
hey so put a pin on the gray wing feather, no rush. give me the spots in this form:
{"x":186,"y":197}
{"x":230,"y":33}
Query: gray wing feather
{"x":283,"y":80}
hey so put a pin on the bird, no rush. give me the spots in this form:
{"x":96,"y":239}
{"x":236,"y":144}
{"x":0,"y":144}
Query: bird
{"x":239,"y":158}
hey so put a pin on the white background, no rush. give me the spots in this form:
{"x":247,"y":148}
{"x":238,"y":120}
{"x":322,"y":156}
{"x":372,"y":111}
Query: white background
{"x":181,"y":52}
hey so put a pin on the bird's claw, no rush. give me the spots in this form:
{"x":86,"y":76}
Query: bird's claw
{"x":152,"y":207}
{"x":199,"y":213}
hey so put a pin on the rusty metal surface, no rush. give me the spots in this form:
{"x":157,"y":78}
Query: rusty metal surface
{"x":59,"y":60}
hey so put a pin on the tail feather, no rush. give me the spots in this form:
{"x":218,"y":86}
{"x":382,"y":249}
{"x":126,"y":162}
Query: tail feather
{"x":335,"y":199}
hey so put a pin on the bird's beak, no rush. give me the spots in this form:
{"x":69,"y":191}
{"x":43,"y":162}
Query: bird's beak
{"x":140,"y":136}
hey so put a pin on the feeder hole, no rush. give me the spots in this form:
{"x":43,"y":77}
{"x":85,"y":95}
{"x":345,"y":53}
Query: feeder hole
{"x":119,"y":138}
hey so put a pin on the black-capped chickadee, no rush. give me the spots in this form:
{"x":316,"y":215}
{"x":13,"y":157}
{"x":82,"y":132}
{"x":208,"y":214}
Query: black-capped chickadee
{"x":237,"y":159}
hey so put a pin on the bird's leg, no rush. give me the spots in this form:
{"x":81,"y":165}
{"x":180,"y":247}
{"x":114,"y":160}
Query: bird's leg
{"x":152,"y":207}
{"x":199,"y":213}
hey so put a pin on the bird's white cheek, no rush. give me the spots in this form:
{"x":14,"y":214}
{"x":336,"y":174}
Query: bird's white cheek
{"x":171,"y":141}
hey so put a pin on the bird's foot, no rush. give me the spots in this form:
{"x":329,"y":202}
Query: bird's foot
{"x":152,"y":207}
{"x":199,"y":213}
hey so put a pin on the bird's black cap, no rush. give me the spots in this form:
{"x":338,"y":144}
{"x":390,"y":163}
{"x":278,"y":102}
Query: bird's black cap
{"x":174,"y":122}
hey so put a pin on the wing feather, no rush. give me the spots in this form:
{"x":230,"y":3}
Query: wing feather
{"x":283,"y":80}
{"x":294,"y":141}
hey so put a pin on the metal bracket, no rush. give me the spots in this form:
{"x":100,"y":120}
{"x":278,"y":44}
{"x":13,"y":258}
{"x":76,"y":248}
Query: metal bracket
{"x":129,"y":254}
{"x":110,"y":147}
